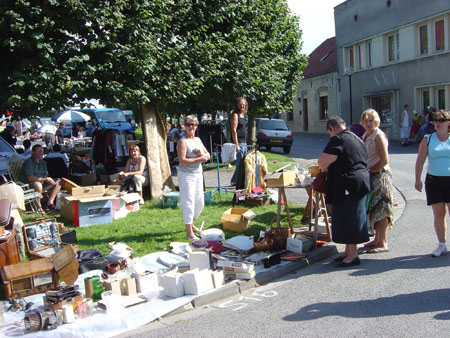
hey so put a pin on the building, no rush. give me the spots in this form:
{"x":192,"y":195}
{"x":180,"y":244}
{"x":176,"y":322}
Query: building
{"x":317,"y":93}
{"x":391,"y":53}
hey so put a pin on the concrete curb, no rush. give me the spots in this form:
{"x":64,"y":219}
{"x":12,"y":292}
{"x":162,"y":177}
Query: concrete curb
{"x":239,"y":286}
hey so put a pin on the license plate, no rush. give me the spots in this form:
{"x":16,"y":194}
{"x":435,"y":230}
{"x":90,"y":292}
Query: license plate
{"x":277,"y":141}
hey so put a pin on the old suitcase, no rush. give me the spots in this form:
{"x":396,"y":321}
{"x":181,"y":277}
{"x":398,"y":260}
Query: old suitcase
{"x":9,"y":249}
{"x":42,"y":238}
{"x":28,"y":278}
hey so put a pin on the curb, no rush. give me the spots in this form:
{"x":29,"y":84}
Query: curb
{"x":239,"y":286}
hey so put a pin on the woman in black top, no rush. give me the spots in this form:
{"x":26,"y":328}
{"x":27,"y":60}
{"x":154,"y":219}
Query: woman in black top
{"x":348,"y":182}
{"x":239,"y":133}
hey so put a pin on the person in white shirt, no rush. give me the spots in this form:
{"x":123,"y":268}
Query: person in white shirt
{"x":57,"y":153}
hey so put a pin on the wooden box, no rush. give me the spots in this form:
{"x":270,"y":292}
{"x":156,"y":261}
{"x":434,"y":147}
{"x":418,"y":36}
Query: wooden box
{"x":280,"y":179}
{"x":28,"y":278}
{"x":42,"y":238}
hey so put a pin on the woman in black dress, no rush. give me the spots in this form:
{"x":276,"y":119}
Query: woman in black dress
{"x":348,"y":182}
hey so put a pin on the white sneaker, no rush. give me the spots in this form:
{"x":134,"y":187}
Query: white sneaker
{"x":440,"y":250}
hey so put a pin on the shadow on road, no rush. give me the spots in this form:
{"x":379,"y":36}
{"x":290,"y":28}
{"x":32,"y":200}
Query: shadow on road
{"x":412,"y":303}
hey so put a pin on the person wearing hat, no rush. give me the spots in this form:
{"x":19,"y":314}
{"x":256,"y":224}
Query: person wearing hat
{"x":416,"y":123}
{"x":9,"y":134}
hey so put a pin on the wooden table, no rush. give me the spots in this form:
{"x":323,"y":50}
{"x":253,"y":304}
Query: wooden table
{"x":315,"y":207}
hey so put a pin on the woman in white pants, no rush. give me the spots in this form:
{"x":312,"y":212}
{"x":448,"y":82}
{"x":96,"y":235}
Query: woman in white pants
{"x":135,"y":167}
{"x":191,"y":154}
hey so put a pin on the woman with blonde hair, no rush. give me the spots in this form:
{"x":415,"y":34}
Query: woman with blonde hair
{"x":436,"y":147}
{"x":191,"y":154}
{"x":135,"y":168}
{"x":380,"y":210}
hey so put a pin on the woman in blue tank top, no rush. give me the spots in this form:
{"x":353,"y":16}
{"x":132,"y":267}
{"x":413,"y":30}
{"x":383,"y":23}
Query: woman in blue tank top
{"x":436,"y":147}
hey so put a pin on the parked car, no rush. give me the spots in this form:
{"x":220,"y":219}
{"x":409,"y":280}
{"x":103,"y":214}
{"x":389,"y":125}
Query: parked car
{"x":273,"y":133}
{"x":110,"y":118}
{"x":129,"y":115}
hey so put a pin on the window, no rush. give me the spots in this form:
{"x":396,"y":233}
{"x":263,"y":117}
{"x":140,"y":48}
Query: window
{"x":393,"y":47}
{"x":323,"y":107}
{"x":425,"y":99}
{"x":359,"y":58}
{"x":290,"y":115}
{"x":439,"y":31}
{"x":441,"y":99}
{"x":350,"y":58}
{"x":382,"y":104}
{"x":423,"y":39}
{"x":369,"y":54}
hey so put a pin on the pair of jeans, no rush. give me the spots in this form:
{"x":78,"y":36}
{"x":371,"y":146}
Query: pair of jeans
{"x":239,"y":156}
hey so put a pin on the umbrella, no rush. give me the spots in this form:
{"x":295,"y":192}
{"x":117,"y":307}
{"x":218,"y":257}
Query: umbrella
{"x":47,"y":128}
{"x":71,"y":115}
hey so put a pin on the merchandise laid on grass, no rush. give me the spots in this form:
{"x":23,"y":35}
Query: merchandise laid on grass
{"x":62,"y":291}
{"x":135,"y":289}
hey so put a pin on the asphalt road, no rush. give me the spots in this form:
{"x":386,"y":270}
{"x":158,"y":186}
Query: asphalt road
{"x":401,"y":293}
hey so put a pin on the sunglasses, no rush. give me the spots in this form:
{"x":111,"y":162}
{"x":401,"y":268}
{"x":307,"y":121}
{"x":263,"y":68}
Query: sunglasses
{"x":190,"y":125}
{"x":440,"y":120}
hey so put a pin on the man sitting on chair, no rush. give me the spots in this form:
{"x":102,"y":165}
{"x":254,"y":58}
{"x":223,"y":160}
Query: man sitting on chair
{"x":34,"y":171}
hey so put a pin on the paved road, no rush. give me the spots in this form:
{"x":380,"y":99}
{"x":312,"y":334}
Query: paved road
{"x":402,"y":293}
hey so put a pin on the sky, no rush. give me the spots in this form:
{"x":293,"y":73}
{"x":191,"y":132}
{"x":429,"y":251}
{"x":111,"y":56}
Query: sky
{"x":316,"y":21}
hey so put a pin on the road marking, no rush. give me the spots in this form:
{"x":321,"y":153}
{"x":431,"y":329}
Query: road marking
{"x":240,"y":305}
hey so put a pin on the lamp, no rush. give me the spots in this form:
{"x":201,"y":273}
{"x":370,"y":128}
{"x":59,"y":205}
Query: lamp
{"x":348,"y":71}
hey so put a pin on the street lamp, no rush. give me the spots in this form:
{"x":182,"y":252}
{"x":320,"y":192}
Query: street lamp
{"x":349,"y":73}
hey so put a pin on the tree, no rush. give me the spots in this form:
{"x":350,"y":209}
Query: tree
{"x":156,"y":53}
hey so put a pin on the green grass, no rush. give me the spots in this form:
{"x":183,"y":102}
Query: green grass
{"x":138,"y":133}
{"x":274,"y":162}
{"x":152,"y":228}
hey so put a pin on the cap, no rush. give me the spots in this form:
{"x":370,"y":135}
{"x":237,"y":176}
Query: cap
{"x":10,"y":124}
{"x":414,"y":112}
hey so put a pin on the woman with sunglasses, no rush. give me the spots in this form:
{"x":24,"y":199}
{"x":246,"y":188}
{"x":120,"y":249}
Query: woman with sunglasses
{"x":191,"y":154}
{"x":436,"y":147}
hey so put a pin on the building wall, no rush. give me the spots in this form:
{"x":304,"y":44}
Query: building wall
{"x":311,"y":89}
{"x":387,"y":57}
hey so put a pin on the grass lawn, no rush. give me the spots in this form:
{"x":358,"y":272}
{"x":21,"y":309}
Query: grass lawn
{"x":152,"y":228}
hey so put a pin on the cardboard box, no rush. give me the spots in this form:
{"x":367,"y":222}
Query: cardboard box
{"x":87,"y":206}
{"x":237,"y":219}
{"x":68,"y":185}
{"x":197,"y":281}
{"x":84,"y":179}
{"x":239,"y":275}
{"x":173,"y":284}
{"x":146,"y":282}
{"x":294,"y":245}
{"x":280,"y":179}
{"x":130,"y":201}
{"x":217,"y":278}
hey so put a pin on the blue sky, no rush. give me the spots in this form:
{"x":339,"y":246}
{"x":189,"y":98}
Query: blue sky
{"x":316,"y":20}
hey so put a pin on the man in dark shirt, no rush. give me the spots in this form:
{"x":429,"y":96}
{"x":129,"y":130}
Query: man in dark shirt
{"x":9,"y":134}
{"x":34,"y":171}
{"x":60,"y":134}
{"x":239,"y":133}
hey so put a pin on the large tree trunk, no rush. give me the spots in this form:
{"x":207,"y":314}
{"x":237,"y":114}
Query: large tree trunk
{"x":155,"y":135}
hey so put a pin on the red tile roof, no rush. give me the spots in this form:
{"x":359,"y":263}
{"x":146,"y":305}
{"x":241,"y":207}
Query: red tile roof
{"x":322,"y":60}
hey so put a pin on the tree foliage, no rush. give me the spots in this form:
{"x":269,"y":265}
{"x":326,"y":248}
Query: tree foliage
{"x":178,"y":54}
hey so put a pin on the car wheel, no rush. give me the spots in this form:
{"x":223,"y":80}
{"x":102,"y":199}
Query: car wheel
{"x":287,"y":150}
{"x":268,"y":148}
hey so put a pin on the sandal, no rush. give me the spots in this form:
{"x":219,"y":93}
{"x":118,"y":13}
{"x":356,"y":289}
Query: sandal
{"x":377,"y":250}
